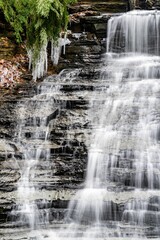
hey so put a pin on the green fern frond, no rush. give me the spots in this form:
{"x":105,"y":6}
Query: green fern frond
{"x":39,"y":20}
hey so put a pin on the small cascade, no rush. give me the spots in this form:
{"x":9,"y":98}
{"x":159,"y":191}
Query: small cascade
{"x":33,"y":140}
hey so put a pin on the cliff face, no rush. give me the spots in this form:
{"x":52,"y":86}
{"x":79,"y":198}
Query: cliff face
{"x":144,"y":4}
{"x":57,"y":179}
{"x":100,"y":6}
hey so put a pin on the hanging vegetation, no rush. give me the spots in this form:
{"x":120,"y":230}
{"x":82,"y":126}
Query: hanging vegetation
{"x":37,"y":21}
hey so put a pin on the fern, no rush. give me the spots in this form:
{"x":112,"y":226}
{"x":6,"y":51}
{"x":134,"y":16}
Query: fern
{"x":39,"y":21}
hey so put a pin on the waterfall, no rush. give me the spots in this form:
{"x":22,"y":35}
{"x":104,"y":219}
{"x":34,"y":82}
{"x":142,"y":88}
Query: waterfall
{"x":124,"y":150}
{"x":121,"y":194}
{"x":136,"y":31}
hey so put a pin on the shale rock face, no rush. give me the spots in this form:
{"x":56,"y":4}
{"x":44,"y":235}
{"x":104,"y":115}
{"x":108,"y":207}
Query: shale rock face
{"x":69,"y":133}
{"x":144,"y":4}
{"x":57,"y":179}
{"x":7,"y":48}
{"x":100,"y":6}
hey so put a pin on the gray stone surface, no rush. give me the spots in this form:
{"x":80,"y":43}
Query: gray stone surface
{"x":57,"y":180}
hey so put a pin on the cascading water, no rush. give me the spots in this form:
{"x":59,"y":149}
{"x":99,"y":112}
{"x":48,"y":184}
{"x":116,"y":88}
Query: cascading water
{"x":32,"y":138}
{"x":121,"y":198}
{"x":125,"y":149}
{"x":136,"y":31}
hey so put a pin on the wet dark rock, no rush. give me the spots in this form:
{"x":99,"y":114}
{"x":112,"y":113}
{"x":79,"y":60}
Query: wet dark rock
{"x":68,"y":153}
{"x":52,"y":116}
{"x":58,"y":177}
{"x":71,"y":88}
{"x":111,"y":212}
{"x":99,"y":6}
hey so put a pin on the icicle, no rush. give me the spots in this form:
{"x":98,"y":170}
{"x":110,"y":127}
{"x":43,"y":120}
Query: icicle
{"x":40,"y":66}
{"x":55,"y":51}
{"x":29,"y":52}
{"x":65,"y":42}
{"x":56,"y":48}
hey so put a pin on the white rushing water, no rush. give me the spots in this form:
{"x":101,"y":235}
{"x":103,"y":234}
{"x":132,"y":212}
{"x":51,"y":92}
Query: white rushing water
{"x":125,"y":144}
{"x":33,"y":141}
{"x":136,"y":31}
{"x":125,"y":117}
